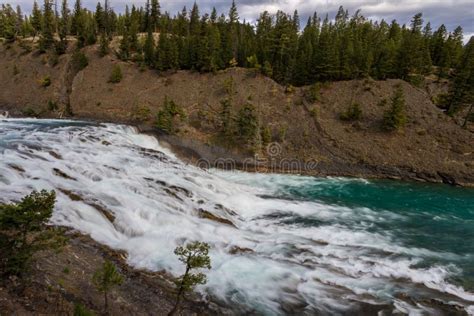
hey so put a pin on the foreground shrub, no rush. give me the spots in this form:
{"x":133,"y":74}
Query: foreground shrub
{"x":24,"y":231}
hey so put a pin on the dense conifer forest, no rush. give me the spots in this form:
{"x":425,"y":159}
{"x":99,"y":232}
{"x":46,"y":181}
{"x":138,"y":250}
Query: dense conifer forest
{"x":280,"y":46}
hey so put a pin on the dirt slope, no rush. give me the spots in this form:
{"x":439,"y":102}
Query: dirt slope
{"x":59,"y":280}
{"x":431,"y":147}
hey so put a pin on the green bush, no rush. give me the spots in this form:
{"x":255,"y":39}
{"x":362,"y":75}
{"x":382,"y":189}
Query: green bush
{"x":24,"y":231}
{"x":166,"y":116}
{"x":266,"y":135}
{"x":79,"y":60}
{"x":352,"y":113}
{"x":52,"y":105}
{"x":141,"y":113}
{"x":416,"y":80}
{"x":116,"y":74}
{"x":395,"y":117}
{"x":81,"y":310}
{"x":105,"y":278}
{"x":45,"y":82}
{"x":29,"y":112}
{"x":312,"y":94}
{"x":247,"y":123}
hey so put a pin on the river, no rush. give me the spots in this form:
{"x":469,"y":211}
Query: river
{"x":298,"y":245}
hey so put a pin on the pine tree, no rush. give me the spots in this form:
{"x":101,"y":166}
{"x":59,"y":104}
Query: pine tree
{"x":149,"y":48}
{"x":461,"y":93}
{"x":47,"y":27}
{"x":155,"y":15}
{"x":395,"y":117}
{"x":36,"y":18}
{"x":63,"y":29}
{"x":76,"y":19}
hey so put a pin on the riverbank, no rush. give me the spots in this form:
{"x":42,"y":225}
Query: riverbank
{"x":60,"y":280}
{"x":305,"y":135}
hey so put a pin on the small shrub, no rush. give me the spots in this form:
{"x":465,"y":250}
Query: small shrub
{"x":282,"y":133}
{"x":30,"y":112}
{"x":247,"y":123}
{"x":105,"y":278}
{"x":233,"y":63}
{"x":104,"y":45}
{"x":166,"y":116}
{"x":289,"y":89}
{"x":313,"y":94}
{"x":79,"y":60}
{"x":45,"y":82}
{"x":352,"y":113}
{"x":52,"y":105}
{"x":81,"y":310}
{"x":228,"y":86}
{"x":395,"y":117}
{"x":267,"y":69}
{"x":141,"y":113}
{"x":416,"y":80}
{"x":116,"y":74}
{"x":266,"y":135}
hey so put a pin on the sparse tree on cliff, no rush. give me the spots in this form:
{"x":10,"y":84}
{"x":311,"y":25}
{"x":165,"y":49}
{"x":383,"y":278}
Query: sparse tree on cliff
{"x":395,"y":117}
{"x":105,"y":279}
{"x":194,"y":256}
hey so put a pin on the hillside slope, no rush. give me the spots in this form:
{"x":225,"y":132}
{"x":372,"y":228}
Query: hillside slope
{"x":310,"y":137}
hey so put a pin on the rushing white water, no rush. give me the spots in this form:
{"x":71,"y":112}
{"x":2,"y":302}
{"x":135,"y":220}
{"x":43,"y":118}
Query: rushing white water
{"x":260,"y":264}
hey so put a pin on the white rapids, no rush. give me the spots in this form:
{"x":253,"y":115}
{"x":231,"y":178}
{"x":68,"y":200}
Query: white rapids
{"x":258,"y":264}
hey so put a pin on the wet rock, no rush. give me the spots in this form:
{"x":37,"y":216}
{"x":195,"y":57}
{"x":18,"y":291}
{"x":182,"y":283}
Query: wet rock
{"x":208,"y":215}
{"x":17,"y":168}
{"x":448,"y":179}
{"x":55,"y":155}
{"x":234,"y":250}
{"x":71,"y":195}
{"x":103,"y":210}
{"x":62,"y":174}
{"x":106,"y":143}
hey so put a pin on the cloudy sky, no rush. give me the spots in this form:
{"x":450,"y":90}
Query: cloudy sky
{"x":450,"y":12}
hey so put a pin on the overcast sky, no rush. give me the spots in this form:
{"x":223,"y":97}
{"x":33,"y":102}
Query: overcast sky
{"x":450,"y":12}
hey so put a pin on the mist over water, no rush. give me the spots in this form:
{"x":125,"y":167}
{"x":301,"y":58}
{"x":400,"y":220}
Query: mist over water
{"x":297,"y":244}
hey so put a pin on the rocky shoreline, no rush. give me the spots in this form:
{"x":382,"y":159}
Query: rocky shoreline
{"x":212,"y":156}
{"x":308,"y":135}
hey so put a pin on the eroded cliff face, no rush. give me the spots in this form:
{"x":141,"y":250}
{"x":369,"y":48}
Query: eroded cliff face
{"x":430,"y":147}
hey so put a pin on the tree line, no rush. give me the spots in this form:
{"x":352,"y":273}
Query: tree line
{"x":348,"y":47}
